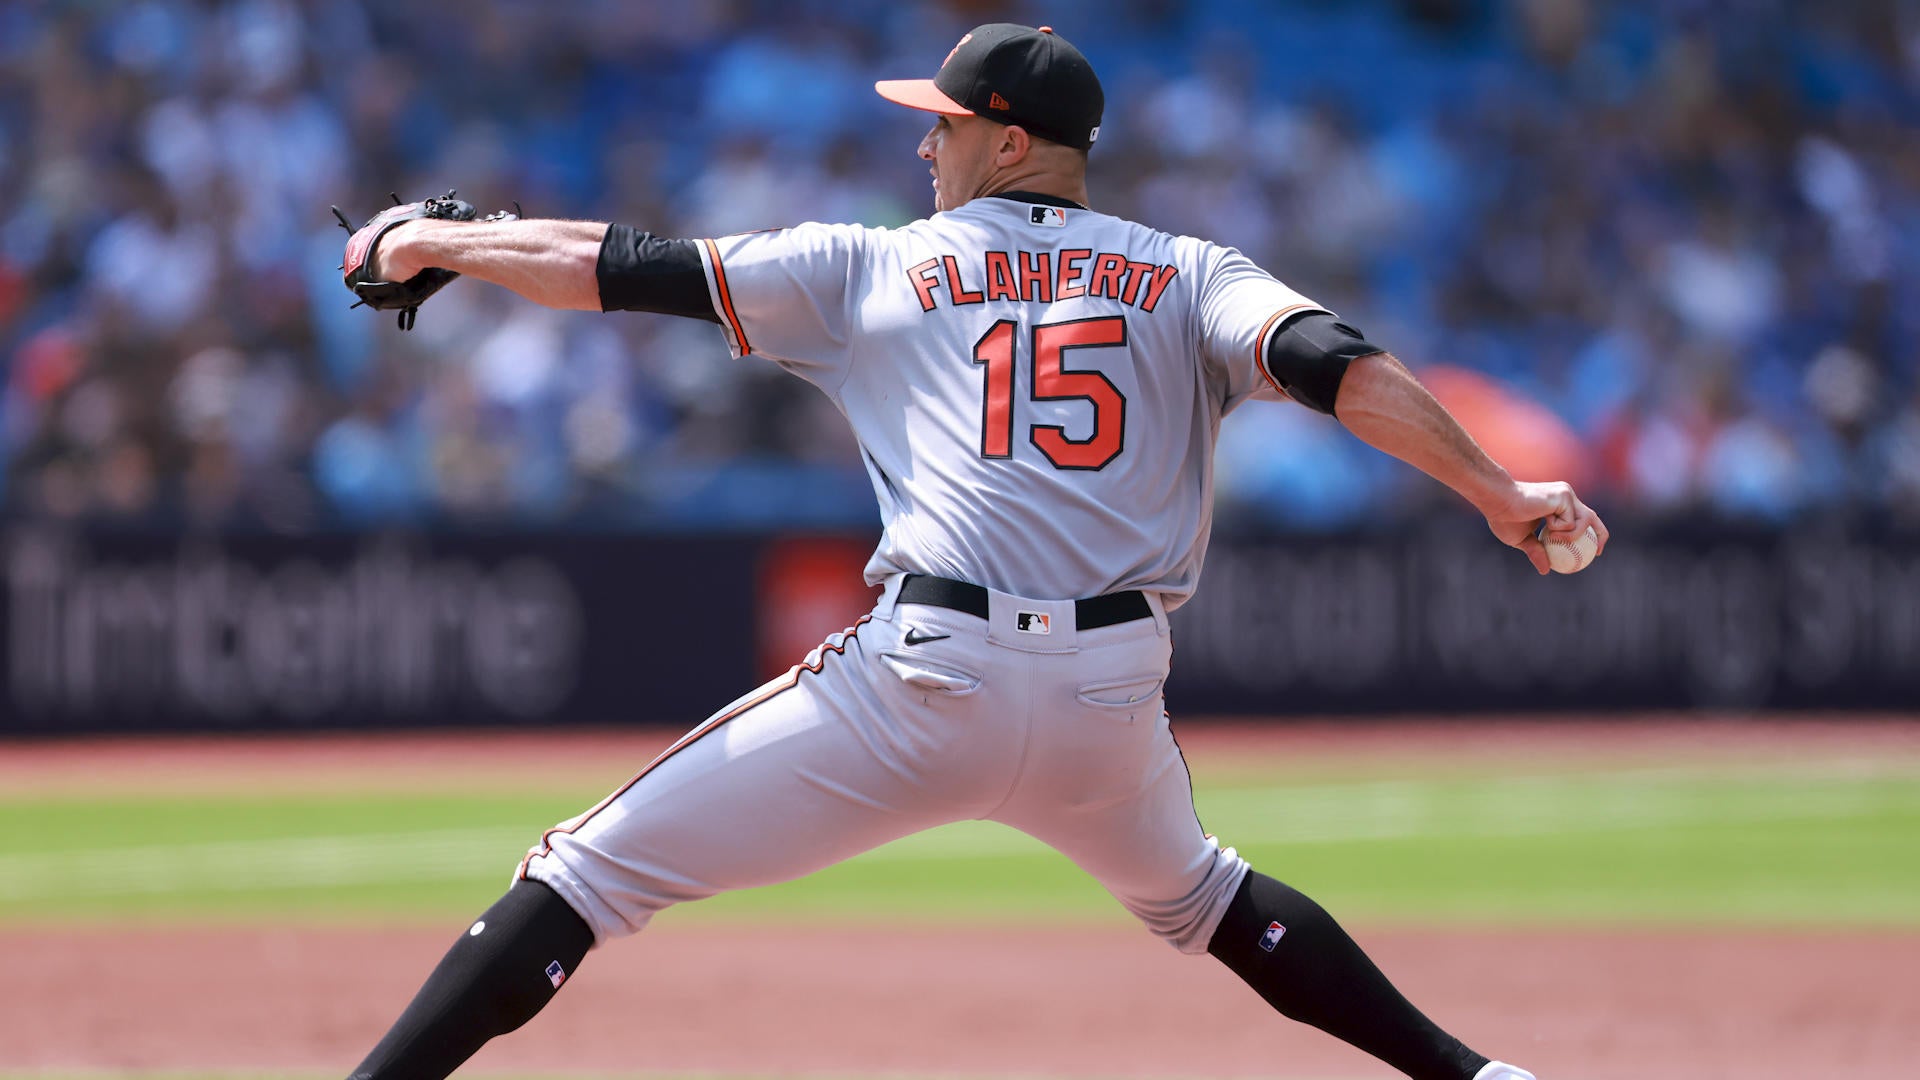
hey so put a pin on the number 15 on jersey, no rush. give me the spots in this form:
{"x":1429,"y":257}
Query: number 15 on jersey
{"x":1052,"y":381}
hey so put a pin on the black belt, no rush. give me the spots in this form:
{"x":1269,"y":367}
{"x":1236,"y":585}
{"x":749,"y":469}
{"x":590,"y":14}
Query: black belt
{"x":1091,"y":614}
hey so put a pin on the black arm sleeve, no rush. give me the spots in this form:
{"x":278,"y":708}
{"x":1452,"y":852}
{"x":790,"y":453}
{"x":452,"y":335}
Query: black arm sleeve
{"x":639,"y":271}
{"x":1308,"y":356}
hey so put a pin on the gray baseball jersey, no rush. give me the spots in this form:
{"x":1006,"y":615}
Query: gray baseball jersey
{"x":1036,"y":389}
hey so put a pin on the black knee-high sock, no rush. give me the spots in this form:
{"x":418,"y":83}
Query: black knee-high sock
{"x":1313,"y":972}
{"x":494,"y":979}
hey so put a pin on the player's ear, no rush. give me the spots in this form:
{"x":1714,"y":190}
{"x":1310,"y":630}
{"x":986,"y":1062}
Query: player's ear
{"x":1014,"y":146}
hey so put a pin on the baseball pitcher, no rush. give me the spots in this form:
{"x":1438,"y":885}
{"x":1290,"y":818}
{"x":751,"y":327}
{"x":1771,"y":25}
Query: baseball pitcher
{"x":1036,"y":388}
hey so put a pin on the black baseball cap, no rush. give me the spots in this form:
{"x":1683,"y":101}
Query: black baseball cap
{"x":1015,"y":75}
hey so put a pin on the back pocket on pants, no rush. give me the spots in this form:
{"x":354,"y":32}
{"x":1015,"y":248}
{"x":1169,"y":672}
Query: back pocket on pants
{"x":923,"y":673}
{"x":1121,"y":693}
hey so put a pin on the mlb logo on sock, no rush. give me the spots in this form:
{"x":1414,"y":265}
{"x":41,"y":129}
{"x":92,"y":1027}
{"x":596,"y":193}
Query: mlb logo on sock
{"x":1267,"y":940}
{"x":1033,"y":622}
{"x":557,"y":974}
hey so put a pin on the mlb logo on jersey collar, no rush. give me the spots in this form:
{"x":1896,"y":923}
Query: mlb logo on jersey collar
{"x":1047,"y":215}
{"x":1033,"y":622}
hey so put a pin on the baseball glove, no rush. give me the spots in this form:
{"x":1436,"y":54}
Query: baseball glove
{"x":402,"y":296}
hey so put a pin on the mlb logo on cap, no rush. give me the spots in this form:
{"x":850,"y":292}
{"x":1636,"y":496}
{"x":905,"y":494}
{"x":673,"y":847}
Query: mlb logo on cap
{"x":1272,"y":937}
{"x":1033,"y":622}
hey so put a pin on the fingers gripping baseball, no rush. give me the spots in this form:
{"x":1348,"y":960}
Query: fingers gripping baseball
{"x":1537,"y":515}
{"x":361,"y":270}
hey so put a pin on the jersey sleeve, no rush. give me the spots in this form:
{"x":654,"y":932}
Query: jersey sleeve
{"x":1240,"y":307}
{"x":787,"y":295}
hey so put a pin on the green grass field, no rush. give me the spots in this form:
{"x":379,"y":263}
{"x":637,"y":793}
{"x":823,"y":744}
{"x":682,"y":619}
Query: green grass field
{"x":1819,"y":841}
{"x":1826,"y":842}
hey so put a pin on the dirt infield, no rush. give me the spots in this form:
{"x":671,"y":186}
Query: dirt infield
{"x":1070,"y":1002}
{"x":768,"y":1000}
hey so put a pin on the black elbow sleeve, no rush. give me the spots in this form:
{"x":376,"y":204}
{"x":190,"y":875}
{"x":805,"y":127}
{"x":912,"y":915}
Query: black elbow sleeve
{"x":1308,"y":356}
{"x":639,"y":271}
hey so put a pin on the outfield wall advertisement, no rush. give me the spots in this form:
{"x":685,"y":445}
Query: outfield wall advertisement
{"x":131,"y":633}
{"x":1447,"y":621}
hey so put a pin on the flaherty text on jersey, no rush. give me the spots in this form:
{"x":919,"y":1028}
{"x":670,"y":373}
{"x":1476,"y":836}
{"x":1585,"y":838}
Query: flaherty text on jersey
{"x":1030,"y":276}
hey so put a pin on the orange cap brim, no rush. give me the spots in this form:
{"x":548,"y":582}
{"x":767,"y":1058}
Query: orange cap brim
{"x":920,"y":94}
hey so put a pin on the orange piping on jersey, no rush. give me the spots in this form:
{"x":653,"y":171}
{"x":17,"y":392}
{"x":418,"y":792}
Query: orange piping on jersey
{"x":792,"y":680}
{"x":1167,"y":721}
{"x":1260,"y":346}
{"x":726,"y":299}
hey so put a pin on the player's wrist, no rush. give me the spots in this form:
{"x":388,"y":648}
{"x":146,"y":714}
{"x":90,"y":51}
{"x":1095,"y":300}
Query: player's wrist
{"x":1493,"y":492}
{"x":413,"y":246}
{"x":396,"y":258}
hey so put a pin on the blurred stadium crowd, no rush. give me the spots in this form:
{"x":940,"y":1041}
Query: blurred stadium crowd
{"x":1670,"y":248}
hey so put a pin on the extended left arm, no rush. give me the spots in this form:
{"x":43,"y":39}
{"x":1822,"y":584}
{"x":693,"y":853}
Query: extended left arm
{"x":548,"y":262}
{"x":573,"y":265}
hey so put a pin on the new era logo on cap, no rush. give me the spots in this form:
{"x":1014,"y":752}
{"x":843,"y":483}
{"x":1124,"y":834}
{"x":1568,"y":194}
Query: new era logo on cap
{"x":998,"y":102}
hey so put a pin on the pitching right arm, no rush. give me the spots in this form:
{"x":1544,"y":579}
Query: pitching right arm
{"x":1256,"y":330}
{"x":1380,"y":401}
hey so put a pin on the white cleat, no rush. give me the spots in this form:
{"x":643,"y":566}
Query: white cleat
{"x":1500,"y":1070}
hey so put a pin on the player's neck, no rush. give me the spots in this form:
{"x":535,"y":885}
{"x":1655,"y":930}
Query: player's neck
{"x":1058,"y":185}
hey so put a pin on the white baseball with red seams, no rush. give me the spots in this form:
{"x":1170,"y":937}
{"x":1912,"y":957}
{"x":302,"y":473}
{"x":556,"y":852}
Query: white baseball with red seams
{"x":1572,"y":556}
{"x":1036,"y":389}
